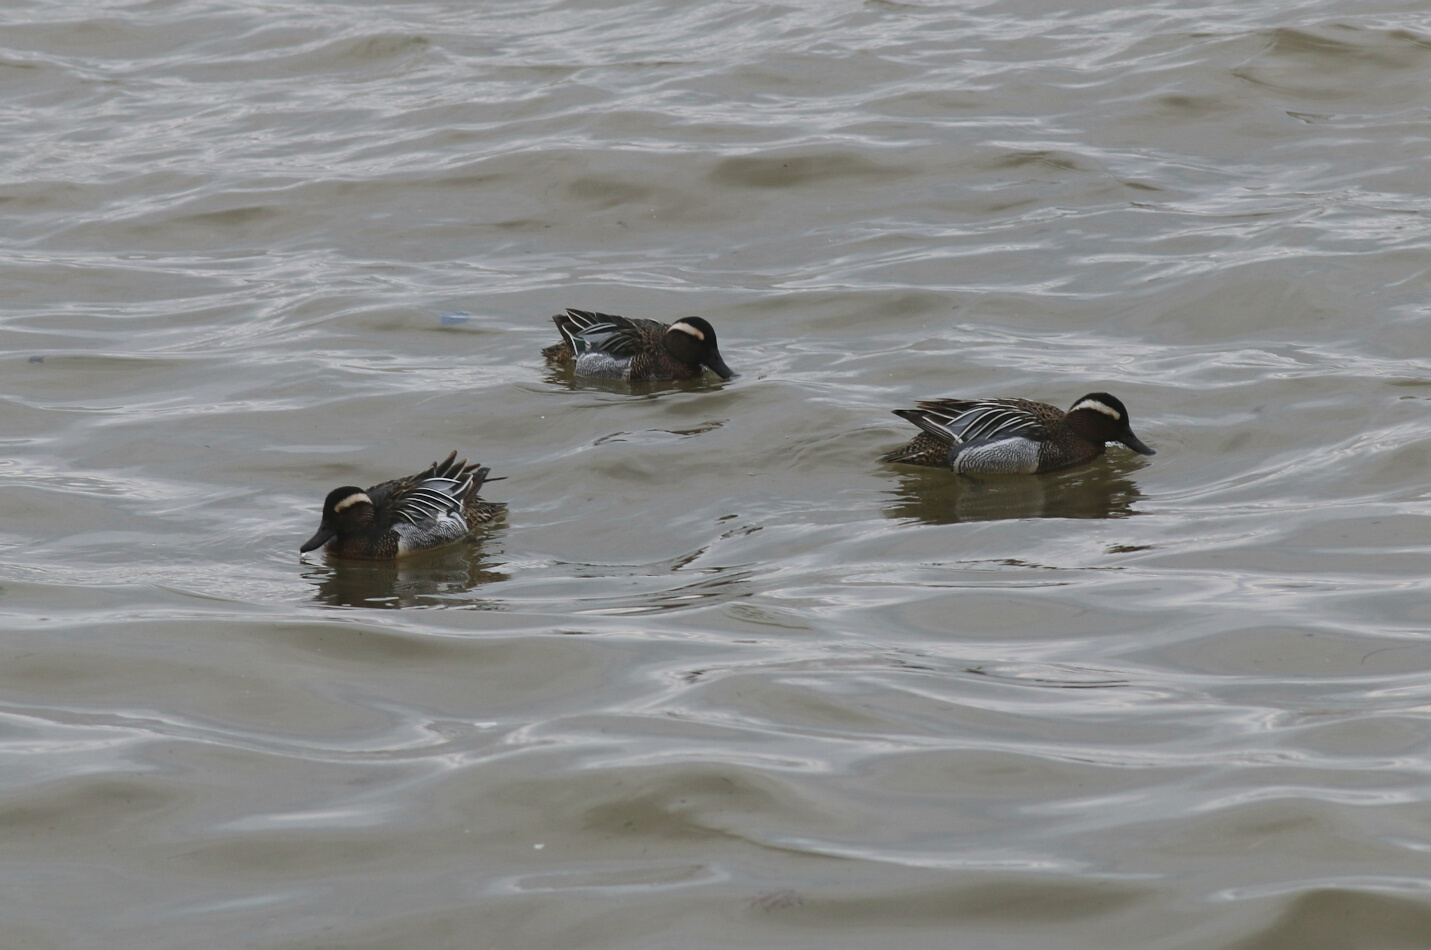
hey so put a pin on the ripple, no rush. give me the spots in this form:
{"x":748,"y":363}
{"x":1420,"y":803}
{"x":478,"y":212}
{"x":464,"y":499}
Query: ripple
{"x":718,"y":661}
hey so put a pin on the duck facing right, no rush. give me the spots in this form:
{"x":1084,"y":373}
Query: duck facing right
{"x":607,"y":346}
{"x":1014,"y":436}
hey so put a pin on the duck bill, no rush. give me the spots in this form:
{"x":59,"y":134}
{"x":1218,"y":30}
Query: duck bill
{"x":1135,"y":443}
{"x":324,"y":535}
{"x":717,"y":365}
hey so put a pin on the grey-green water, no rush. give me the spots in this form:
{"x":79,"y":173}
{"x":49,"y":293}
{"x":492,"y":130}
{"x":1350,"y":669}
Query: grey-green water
{"x":720,"y":678}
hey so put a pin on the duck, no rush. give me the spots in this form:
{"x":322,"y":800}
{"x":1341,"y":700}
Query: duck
{"x":1014,"y":436}
{"x":605,"y":346}
{"x":436,"y":507}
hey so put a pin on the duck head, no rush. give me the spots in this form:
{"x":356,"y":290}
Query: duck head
{"x":345,"y":510}
{"x":1103,"y":418}
{"x":693,"y":340}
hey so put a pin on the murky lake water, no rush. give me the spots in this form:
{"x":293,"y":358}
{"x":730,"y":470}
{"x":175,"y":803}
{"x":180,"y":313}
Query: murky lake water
{"x":719,"y":678}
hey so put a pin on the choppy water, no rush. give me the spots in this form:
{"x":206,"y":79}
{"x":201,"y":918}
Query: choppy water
{"x":720,"y":678}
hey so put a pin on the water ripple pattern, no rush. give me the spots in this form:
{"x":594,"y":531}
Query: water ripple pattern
{"x":719,"y":677}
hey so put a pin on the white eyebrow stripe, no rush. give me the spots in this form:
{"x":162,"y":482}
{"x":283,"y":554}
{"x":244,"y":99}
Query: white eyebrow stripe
{"x":687,"y":328}
{"x":357,"y":498}
{"x":1097,"y":406}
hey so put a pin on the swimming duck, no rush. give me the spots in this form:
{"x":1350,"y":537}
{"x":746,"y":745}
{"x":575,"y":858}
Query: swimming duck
{"x":436,"y":506}
{"x":604,"y":346}
{"x":1013,"y":436}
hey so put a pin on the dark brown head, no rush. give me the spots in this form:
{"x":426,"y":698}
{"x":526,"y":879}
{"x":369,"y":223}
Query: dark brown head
{"x":693,"y":340}
{"x":1102,"y":418}
{"x":345,"y":510}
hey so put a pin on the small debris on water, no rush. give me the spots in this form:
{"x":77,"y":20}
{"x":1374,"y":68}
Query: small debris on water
{"x":777,"y":900}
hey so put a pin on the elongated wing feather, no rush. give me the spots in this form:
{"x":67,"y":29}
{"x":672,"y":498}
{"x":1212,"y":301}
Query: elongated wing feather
{"x":439,"y":490}
{"x":965,"y":420}
{"x":930,"y":423}
{"x":431,"y":500}
{"x":589,"y":332}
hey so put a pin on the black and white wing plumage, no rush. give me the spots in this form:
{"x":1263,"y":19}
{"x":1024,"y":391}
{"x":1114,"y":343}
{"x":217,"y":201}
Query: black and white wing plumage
{"x":958,"y":421}
{"x":586,"y":331}
{"x":428,"y":508}
{"x":432,"y":499}
{"x":430,"y":512}
{"x":978,"y":436}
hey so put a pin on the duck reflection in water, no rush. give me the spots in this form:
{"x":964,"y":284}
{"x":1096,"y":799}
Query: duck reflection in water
{"x":445,"y":578}
{"x":562,"y":377}
{"x":1101,"y":490}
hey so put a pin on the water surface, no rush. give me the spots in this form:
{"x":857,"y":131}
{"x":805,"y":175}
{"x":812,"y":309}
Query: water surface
{"x":720,"y":677}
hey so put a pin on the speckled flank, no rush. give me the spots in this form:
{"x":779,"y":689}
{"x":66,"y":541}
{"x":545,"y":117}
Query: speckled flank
{"x":430,"y":533}
{"x":923,"y":449}
{"x":602,"y":366}
{"x":1013,"y":456}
